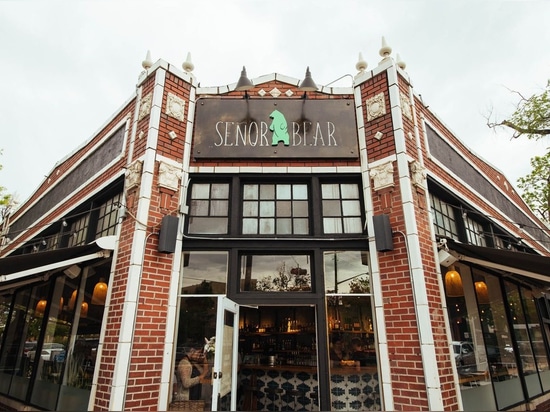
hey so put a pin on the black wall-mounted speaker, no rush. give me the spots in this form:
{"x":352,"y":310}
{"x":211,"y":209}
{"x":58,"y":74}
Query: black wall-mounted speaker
{"x":382,"y":233}
{"x":168,"y":234}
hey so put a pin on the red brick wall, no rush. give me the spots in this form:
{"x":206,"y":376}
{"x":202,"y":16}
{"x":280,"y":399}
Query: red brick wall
{"x":407,"y":373}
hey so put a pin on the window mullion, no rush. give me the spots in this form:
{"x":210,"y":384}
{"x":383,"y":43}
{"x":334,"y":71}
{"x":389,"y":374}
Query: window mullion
{"x":235,"y":207}
{"x":315,"y":207}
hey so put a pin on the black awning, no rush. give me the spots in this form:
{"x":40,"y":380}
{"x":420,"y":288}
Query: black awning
{"x":16,"y":267}
{"x":510,"y":260}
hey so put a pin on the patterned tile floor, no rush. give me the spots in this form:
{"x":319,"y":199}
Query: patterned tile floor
{"x":349,"y":391}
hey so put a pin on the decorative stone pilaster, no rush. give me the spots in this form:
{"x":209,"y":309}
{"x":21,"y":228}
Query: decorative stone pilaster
{"x":133,"y":174}
{"x":145,"y":106}
{"x":418,"y":173}
{"x":405,"y":105}
{"x":169,"y":176}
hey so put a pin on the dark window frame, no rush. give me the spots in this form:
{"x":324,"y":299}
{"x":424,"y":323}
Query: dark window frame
{"x":315,"y":210}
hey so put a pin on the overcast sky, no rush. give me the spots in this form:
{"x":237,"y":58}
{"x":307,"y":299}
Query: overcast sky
{"x":67,"y":66}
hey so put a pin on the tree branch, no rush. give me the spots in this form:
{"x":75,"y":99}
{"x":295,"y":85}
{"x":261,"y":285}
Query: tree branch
{"x":520,"y":130}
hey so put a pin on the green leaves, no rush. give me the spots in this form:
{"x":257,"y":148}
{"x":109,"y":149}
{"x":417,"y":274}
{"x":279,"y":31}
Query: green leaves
{"x":536,"y":186}
{"x":532,"y":116}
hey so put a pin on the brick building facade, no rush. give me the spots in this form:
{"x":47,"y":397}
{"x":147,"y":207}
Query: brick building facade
{"x":182,"y":200}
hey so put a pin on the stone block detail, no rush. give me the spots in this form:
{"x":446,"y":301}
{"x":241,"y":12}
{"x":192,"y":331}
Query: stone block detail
{"x":133,"y":174}
{"x":376,"y":106}
{"x":145,"y":106}
{"x":169,"y":176}
{"x":382,"y":176}
{"x":175,"y":106}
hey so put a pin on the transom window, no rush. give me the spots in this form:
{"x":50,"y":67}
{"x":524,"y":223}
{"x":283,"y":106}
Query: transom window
{"x":341,"y":208}
{"x":474,"y":232}
{"x":209,"y":209}
{"x":79,"y":230}
{"x":443,"y":218}
{"x":268,"y":207}
{"x":108,"y":215}
{"x":275,"y":209}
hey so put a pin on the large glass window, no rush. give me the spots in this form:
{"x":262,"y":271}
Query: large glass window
{"x":192,"y":368}
{"x":541,"y":335}
{"x":522,"y":333}
{"x":23,"y":328}
{"x":43,"y":361}
{"x":354,"y":380}
{"x":497,"y":340}
{"x":275,"y":273}
{"x":275,"y":209}
{"x":4,"y":314}
{"x":346,"y":272}
{"x":204,"y":272}
{"x":209,"y":208}
{"x":341,"y":208}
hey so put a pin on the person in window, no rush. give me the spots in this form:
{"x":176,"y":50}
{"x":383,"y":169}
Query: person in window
{"x":191,"y":372}
{"x":358,"y":354}
{"x":337,"y":352}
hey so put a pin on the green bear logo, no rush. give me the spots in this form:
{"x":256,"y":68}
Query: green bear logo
{"x":279,"y":128}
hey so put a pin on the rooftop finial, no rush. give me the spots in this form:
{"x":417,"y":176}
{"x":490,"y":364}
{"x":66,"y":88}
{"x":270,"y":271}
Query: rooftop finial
{"x":147,"y":63}
{"x":188,"y":65}
{"x":385,"y":50}
{"x":400,"y":62}
{"x":361,"y":64}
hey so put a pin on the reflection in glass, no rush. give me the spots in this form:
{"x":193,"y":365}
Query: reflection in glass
{"x":197,"y":322}
{"x":522,"y":334}
{"x":20,"y":338}
{"x":346,"y":271}
{"x":270,"y":209}
{"x":81,"y":358}
{"x":275,"y":273}
{"x":204,"y":273}
{"x":341,"y":208}
{"x":352,"y":354}
{"x":209,"y":208}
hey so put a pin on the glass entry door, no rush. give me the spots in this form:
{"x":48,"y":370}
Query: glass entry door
{"x":224,"y":348}
{"x":205,"y":368}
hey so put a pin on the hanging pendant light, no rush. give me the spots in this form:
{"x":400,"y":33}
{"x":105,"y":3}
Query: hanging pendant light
{"x":84,"y":310}
{"x":72,"y":300}
{"x":482,"y":292}
{"x":453,"y":283}
{"x":100,"y":292}
{"x":40,"y":307}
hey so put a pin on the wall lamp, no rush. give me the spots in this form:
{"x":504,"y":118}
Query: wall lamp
{"x":307,"y":85}
{"x":244,"y":83}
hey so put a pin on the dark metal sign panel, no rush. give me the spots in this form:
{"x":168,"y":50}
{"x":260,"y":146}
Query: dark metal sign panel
{"x":275,"y":128}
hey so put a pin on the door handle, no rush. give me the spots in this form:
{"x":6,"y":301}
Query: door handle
{"x":215,"y":375}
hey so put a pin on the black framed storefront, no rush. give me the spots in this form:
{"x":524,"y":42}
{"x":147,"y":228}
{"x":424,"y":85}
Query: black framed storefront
{"x":292,"y":253}
{"x":499,"y":325}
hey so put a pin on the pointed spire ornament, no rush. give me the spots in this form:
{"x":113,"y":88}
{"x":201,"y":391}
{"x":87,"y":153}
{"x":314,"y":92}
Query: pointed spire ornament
{"x":385,"y":50}
{"x":361,"y":64}
{"x":188,"y":65}
{"x":148,"y":62}
{"x":400,"y":62}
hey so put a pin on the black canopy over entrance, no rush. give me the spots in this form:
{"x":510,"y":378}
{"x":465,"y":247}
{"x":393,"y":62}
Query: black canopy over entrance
{"x":527,"y":264}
